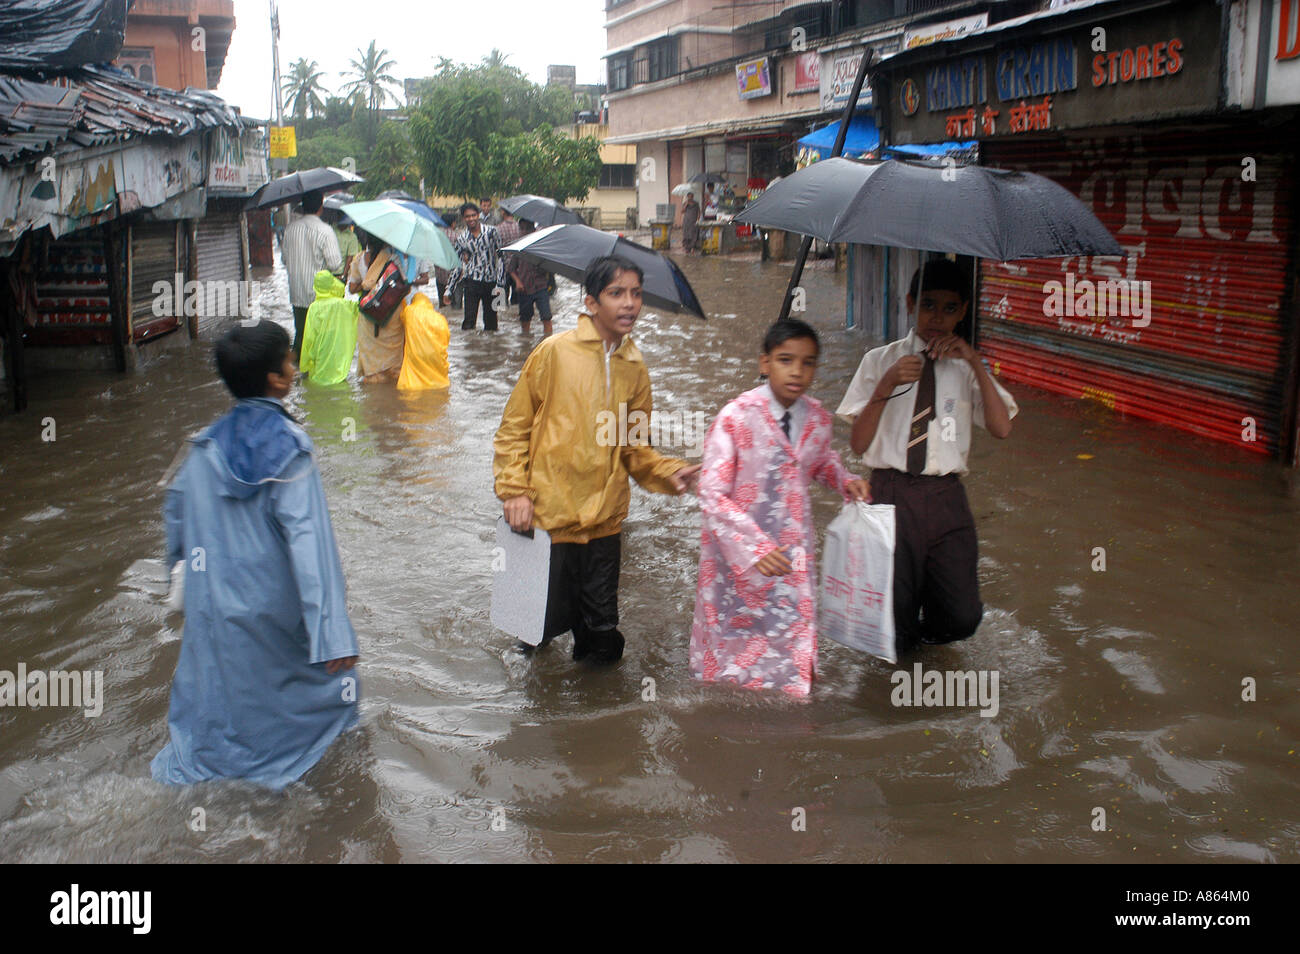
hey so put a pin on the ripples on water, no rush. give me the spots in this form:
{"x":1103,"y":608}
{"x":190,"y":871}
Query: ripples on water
{"x":1119,"y":690}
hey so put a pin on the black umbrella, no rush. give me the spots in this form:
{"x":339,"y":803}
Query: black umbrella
{"x":569,"y":250}
{"x":539,"y":210}
{"x":967,"y":210}
{"x":297,"y":184}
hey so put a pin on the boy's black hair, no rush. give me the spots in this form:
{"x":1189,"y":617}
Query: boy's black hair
{"x":467,"y":206}
{"x":788,"y":329}
{"x":942,"y":274}
{"x":247,"y":354}
{"x":312,"y":202}
{"x":604,"y":270}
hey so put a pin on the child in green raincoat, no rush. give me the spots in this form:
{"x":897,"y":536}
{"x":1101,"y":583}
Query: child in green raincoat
{"x":330,"y":338}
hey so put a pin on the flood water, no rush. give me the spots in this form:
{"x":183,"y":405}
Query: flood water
{"x":1119,"y":689}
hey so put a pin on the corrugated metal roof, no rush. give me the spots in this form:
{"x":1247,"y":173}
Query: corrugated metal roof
{"x":98,"y":104}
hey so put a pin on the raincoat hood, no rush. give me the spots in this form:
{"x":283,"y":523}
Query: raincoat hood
{"x":327,"y":286}
{"x":255,"y":443}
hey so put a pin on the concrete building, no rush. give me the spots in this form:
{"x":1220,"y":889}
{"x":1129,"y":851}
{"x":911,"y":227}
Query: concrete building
{"x":699,"y":86}
{"x":178,"y":43}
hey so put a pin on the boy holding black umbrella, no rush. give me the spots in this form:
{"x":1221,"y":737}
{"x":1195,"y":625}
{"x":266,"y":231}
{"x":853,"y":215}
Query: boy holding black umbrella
{"x":912,"y":404}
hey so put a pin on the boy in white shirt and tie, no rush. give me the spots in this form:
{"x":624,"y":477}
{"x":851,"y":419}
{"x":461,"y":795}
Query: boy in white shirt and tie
{"x":912,"y":404}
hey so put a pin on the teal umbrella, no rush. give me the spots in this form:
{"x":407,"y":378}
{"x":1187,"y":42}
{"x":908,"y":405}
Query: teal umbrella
{"x":405,"y":230}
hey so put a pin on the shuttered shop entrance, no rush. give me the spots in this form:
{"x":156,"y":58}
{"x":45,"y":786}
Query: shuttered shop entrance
{"x":220,"y":259}
{"x":72,"y":292}
{"x":153,"y":259}
{"x":1215,"y":249}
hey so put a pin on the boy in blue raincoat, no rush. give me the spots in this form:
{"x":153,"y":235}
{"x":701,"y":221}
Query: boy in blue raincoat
{"x":265,"y":680}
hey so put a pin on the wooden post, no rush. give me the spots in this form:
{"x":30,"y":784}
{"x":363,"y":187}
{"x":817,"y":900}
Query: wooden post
{"x":192,"y":271}
{"x":119,"y":292}
{"x":12,"y":323}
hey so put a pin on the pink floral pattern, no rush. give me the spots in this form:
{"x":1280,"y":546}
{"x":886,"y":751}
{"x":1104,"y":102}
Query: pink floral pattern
{"x":759,"y":631}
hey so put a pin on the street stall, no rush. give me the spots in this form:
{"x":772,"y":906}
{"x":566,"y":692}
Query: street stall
{"x":102,"y":178}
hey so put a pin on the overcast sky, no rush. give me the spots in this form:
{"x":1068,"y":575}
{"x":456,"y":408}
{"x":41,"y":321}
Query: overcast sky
{"x":532,"y":33}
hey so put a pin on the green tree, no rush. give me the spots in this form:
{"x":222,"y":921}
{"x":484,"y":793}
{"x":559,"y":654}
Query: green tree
{"x":303,"y":90}
{"x":391,"y":163}
{"x":371,"y":78}
{"x":544,"y":163}
{"x":467,"y":130}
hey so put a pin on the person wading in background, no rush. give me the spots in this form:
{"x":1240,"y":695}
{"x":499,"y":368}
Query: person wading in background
{"x":479,"y":246}
{"x":309,"y":246}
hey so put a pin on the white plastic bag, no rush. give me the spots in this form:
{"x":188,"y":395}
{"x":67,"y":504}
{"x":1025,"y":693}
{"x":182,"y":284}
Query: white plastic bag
{"x":176,"y":588}
{"x":858,"y":579}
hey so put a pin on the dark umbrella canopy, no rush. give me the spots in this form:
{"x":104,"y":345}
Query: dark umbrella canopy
{"x":414,"y":204}
{"x":539,"y":210}
{"x":297,"y":184}
{"x":569,"y":250}
{"x":970,"y":210}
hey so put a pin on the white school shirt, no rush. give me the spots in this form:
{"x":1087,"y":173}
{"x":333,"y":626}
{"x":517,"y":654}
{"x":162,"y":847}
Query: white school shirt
{"x":957,"y":402}
{"x":798,"y":413}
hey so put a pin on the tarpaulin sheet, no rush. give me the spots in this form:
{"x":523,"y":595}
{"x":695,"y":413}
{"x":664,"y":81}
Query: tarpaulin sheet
{"x":60,"y":34}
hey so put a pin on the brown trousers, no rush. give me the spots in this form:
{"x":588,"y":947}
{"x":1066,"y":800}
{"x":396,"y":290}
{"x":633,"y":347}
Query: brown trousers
{"x":936,"y":584}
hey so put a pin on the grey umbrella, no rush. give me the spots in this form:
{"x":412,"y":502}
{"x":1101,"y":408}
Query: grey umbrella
{"x":968,"y":210}
{"x":297,"y":184}
{"x":569,"y":250}
{"x":539,"y":210}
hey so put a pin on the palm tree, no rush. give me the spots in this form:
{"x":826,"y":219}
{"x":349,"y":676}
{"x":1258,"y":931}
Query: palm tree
{"x":496,"y":59}
{"x":303,"y":89}
{"x":370,"y":77}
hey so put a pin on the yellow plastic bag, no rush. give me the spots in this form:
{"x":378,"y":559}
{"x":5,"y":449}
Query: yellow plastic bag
{"x":425,"y":363}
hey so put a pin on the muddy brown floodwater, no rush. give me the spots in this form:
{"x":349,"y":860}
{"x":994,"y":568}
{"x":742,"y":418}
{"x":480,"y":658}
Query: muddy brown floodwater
{"x":1120,"y":690}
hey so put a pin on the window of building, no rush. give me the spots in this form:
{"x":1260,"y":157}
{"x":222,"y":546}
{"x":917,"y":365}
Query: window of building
{"x":620,"y":71}
{"x":138,"y":61}
{"x":617,"y":176}
{"x":661,"y":57}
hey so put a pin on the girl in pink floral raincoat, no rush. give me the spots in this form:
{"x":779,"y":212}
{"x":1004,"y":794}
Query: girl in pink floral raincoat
{"x":755,"y":609}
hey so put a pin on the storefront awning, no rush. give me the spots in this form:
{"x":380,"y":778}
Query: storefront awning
{"x":863,"y":138}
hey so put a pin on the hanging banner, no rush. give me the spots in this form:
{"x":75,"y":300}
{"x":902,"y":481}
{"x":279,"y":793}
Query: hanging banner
{"x":951,"y":30}
{"x":284,"y":145}
{"x":838,"y":71}
{"x":807,"y":73}
{"x":754,"y":78}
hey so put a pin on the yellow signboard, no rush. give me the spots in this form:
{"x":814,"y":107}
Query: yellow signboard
{"x":284,"y":145}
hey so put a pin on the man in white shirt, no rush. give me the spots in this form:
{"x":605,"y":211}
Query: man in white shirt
{"x":912,"y":404}
{"x":309,"y":245}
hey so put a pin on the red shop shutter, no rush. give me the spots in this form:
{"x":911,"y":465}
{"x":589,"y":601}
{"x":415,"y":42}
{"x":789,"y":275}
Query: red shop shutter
{"x":1214,"y":248}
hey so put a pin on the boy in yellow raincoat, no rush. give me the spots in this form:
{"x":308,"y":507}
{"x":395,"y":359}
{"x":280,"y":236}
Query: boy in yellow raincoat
{"x":330,"y":338}
{"x":557,"y":468}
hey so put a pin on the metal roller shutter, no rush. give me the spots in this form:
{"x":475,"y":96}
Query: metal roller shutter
{"x":1215,"y":248}
{"x":220,"y":257}
{"x":153,"y":259}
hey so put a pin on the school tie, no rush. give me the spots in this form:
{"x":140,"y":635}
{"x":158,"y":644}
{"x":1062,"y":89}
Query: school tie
{"x":785,"y":424}
{"x":922,"y":415}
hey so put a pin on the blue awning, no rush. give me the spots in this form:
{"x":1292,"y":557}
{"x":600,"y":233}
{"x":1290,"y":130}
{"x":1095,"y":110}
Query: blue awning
{"x":863,"y":137}
{"x":929,"y":149}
